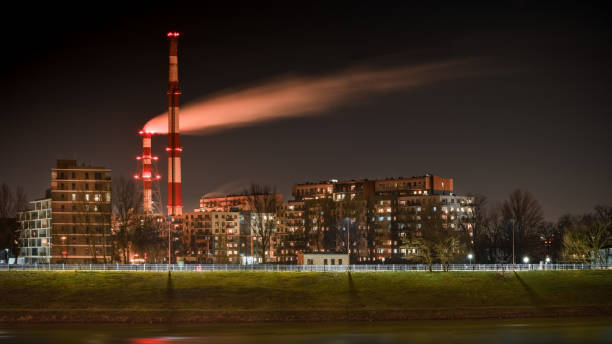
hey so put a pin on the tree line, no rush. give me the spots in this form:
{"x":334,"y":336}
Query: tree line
{"x":491,"y":233}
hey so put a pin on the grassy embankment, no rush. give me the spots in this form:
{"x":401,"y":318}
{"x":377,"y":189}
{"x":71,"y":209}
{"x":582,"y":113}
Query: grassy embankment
{"x":266,"y":296}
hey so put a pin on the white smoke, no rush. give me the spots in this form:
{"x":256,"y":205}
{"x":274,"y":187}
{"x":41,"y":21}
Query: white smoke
{"x":303,"y":96}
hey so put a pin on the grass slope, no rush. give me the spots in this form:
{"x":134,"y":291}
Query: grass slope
{"x":278,"y":296}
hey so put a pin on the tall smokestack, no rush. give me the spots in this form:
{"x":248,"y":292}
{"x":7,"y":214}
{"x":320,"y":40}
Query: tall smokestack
{"x":175,"y":202}
{"x":146,"y":174}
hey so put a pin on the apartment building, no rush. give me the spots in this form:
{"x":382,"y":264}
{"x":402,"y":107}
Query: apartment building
{"x":81,"y":213}
{"x":35,"y":233}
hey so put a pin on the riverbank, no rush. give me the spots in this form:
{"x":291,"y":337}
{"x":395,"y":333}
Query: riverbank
{"x":150,"y":297}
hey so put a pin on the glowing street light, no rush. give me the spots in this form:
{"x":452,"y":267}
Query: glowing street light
{"x":470,"y":256}
{"x":547,"y":260}
{"x":526,"y":260}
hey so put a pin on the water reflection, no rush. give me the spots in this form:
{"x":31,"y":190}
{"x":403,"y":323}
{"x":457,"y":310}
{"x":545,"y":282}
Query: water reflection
{"x":584,"y":330}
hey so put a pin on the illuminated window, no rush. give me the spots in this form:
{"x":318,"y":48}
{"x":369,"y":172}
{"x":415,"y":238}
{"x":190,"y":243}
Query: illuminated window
{"x":87,"y":197}
{"x":74,"y":197}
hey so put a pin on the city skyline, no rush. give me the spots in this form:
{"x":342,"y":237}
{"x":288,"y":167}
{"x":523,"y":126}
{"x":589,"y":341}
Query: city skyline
{"x":530,"y":112}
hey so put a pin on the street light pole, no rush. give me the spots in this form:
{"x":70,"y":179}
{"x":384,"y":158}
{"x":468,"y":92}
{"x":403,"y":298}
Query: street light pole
{"x":348,"y":238}
{"x":169,"y":229}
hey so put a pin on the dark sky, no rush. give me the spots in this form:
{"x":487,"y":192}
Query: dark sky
{"x":536,"y":116}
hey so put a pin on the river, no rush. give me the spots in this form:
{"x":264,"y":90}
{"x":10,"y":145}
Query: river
{"x":572,"y":330}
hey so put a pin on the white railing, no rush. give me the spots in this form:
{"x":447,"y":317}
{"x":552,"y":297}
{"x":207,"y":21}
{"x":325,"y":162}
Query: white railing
{"x":295,"y":268}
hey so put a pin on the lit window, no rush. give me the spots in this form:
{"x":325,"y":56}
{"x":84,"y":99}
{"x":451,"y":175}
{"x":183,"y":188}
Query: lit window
{"x":87,"y":197}
{"x":74,"y":197}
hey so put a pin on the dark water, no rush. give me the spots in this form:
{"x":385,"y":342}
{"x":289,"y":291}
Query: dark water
{"x":583,"y":330}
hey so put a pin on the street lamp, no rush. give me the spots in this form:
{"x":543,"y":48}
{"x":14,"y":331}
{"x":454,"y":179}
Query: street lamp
{"x":470,"y":256}
{"x":348,"y":237}
{"x":64,"y":249}
{"x":526,"y":260}
{"x":547,"y":260}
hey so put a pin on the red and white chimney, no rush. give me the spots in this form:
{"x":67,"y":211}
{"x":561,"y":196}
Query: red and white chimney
{"x":146,"y":174}
{"x":175,"y":202}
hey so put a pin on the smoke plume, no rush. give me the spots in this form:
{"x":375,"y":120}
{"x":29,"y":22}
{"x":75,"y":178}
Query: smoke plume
{"x":302,"y":96}
{"x":233,"y":187}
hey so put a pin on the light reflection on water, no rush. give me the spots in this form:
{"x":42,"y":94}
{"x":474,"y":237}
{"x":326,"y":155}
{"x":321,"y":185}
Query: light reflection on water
{"x":583,"y":330}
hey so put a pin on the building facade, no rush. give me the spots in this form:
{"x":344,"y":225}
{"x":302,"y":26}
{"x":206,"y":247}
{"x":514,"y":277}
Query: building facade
{"x":323,"y":259}
{"x":215,"y":237}
{"x":81,"y":213}
{"x":368,"y":218}
{"x":35,"y":234}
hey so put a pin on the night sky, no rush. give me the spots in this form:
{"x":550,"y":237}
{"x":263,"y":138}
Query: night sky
{"x":534,"y":113}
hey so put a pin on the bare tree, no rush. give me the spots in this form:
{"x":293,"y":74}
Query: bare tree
{"x":349,"y":213}
{"x":551,"y":235}
{"x":147,"y":238}
{"x":21,"y":200}
{"x":449,"y":246}
{"x":10,"y":204}
{"x":433,"y":237}
{"x":525,"y":215}
{"x":7,"y":202}
{"x":319,"y":218}
{"x":586,"y":236}
{"x":263,"y":203}
{"x":126,"y":203}
{"x":476,"y":222}
{"x":367,"y":232}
